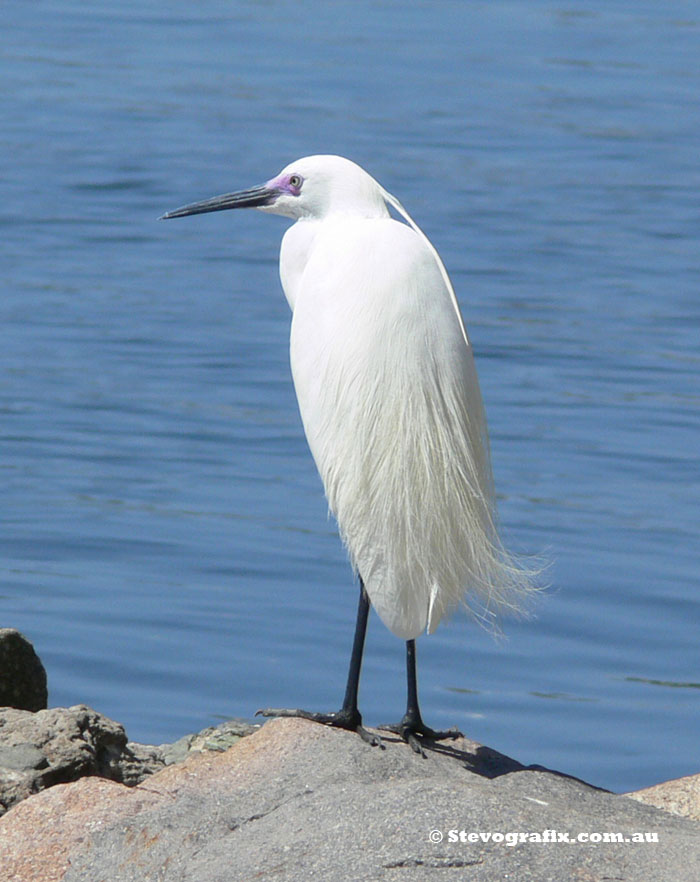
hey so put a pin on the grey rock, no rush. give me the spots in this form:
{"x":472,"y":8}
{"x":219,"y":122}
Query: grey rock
{"x":38,"y":750}
{"x":22,"y":675}
{"x":137,"y":762}
{"x":300,"y":801}
{"x":22,"y":758}
{"x":141,"y":760}
{"x":216,"y":738}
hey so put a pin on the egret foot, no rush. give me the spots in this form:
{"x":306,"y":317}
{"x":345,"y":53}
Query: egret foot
{"x":414,"y":731}
{"x":343,"y":719}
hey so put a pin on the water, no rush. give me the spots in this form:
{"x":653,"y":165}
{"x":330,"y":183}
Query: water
{"x":164,"y":539}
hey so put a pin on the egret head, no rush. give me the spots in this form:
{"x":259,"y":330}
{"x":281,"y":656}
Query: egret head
{"x":312,"y":187}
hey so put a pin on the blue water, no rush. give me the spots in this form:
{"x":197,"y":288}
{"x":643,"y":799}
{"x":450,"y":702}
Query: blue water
{"x":164,"y":539}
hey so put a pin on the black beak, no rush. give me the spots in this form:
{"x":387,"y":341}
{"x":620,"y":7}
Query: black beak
{"x":253,"y":198}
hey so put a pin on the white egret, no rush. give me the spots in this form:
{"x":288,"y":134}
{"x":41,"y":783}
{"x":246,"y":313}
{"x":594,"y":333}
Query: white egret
{"x":389,"y":397}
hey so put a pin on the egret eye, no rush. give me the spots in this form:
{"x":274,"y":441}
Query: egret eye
{"x":296,"y":181}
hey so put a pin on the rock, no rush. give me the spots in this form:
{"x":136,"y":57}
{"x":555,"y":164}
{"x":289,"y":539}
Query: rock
{"x":39,"y":835}
{"x":22,"y":758}
{"x":22,"y":675}
{"x":38,"y":750}
{"x":680,"y":796}
{"x":141,"y":760}
{"x":138,"y":762}
{"x":216,"y":738}
{"x":296,"y":800}
{"x":150,"y":759}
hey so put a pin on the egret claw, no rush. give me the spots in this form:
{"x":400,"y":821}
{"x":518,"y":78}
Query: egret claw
{"x":342,"y":719}
{"x":415,"y":733}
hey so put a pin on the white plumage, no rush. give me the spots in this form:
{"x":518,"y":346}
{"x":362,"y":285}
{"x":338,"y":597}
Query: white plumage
{"x":390,"y":402}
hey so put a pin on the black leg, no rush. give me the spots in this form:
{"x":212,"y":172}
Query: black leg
{"x":348,"y":717}
{"x":412,"y":709}
{"x":358,"y":648}
{"x":412,"y":728}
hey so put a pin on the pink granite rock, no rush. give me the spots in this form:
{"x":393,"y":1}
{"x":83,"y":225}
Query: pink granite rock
{"x":297,"y":800}
{"x":38,"y":836}
{"x":680,"y":796}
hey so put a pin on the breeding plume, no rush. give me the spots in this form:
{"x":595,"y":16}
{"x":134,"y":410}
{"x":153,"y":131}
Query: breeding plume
{"x":389,"y":397}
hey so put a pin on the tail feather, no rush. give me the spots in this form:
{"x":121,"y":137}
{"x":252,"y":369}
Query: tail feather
{"x":415,"y":503}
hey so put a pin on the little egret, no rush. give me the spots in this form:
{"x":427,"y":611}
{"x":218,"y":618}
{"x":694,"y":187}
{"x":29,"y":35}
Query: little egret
{"x":389,"y":398}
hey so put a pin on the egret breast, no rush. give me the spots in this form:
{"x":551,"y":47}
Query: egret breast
{"x":391,"y":407}
{"x":297,"y":245}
